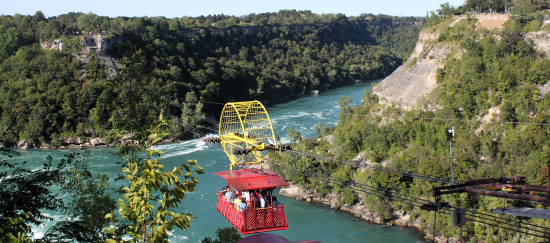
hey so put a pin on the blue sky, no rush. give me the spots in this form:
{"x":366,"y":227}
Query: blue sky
{"x":175,"y":8}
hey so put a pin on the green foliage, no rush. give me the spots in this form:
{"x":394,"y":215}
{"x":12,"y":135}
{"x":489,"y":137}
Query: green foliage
{"x":262,"y":57}
{"x":320,"y":129}
{"x":86,"y":212}
{"x":225,"y":235}
{"x":348,"y":197}
{"x":34,"y":197}
{"x":294,"y":135}
{"x":493,"y":73}
{"x":148,"y":208}
{"x":439,"y":75}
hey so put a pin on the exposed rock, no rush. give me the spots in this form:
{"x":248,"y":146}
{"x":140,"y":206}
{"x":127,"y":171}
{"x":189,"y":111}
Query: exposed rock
{"x":315,"y":91}
{"x":95,"y":142}
{"x":292,"y":191}
{"x":126,"y":136}
{"x":360,"y":157}
{"x":56,"y":44}
{"x":45,"y":146}
{"x":544,"y":89}
{"x":21,"y":143}
{"x":415,"y":78}
{"x":541,"y":39}
{"x":26,"y":146}
{"x":361,"y":161}
{"x":72,"y":140}
{"x":492,"y":113}
{"x":329,"y":138}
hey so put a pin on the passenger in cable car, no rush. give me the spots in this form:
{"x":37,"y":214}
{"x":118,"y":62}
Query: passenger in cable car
{"x":276,"y":203}
{"x":262,"y":202}
{"x":229,"y":195}
{"x":256,"y":202}
{"x":242,"y":206}
{"x":237,"y":202}
{"x":246,"y":195}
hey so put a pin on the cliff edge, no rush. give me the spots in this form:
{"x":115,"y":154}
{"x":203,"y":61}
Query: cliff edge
{"x":416,"y":77}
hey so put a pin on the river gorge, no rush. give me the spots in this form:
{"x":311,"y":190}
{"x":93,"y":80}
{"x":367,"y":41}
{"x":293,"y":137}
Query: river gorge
{"x":306,"y":220}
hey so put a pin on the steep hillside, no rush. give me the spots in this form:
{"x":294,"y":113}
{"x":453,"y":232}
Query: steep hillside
{"x":488,"y":85}
{"x":416,"y":77}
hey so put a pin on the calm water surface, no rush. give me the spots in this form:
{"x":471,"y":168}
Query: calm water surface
{"x":306,"y":220}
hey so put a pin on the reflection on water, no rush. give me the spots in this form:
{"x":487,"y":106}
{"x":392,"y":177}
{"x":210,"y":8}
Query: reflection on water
{"x":306,"y":220}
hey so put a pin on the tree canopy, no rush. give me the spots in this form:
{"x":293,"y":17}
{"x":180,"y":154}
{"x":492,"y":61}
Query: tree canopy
{"x":49,"y":94}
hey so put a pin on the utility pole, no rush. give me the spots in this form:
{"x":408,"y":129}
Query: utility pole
{"x":435,"y":220}
{"x":450,"y":135}
{"x":459,"y":219}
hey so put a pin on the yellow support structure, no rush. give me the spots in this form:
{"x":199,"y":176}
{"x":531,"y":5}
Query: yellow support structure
{"x":246,"y":133}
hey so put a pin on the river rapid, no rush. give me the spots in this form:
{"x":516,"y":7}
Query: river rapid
{"x":306,"y":220}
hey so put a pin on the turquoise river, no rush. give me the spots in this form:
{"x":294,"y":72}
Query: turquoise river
{"x":306,"y":220}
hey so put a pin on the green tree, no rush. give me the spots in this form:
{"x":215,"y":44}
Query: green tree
{"x":523,"y":10}
{"x":225,"y":235}
{"x":294,"y":135}
{"x":148,"y":207}
{"x":86,"y":212}
{"x":33,"y":192}
{"x":320,"y":129}
{"x":10,"y":40}
{"x":88,"y":22}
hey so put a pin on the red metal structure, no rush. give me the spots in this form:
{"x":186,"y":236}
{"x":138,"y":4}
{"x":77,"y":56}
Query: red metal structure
{"x":271,"y":238}
{"x":253,"y":220}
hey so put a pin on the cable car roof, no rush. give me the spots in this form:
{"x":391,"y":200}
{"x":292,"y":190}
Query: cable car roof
{"x":252,"y":179}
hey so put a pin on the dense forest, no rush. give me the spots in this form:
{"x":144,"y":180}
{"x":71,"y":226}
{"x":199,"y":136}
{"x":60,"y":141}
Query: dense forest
{"x":499,"y":70}
{"x":48,"y":94}
{"x":45,"y":94}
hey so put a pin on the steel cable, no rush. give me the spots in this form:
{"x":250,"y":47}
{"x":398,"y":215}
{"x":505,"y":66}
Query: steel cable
{"x":207,"y":119}
{"x":497,"y":218}
{"x":379,"y":168}
{"x":364,"y":188}
{"x":407,"y":199}
{"x":475,"y":218}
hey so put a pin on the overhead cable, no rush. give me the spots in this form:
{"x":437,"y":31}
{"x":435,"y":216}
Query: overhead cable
{"x":186,"y":109}
{"x":399,"y":117}
{"x":410,"y":200}
{"x":379,"y":168}
{"x":178,"y":120}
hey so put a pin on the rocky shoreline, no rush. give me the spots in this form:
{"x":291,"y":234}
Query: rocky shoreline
{"x":82,"y":143}
{"x":361,"y":210}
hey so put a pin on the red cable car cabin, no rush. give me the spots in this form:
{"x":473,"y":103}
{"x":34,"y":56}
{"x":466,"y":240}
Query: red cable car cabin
{"x":253,"y":220}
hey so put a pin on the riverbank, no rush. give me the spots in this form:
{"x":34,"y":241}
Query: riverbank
{"x":361,"y":210}
{"x":81,"y":143}
{"x":98,"y":142}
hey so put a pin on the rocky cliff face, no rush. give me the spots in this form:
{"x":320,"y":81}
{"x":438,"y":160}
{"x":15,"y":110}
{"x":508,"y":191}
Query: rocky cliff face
{"x":415,"y":78}
{"x":92,"y":43}
{"x":541,"y":40}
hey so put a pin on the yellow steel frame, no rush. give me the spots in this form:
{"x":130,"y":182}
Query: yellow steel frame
{"x":246,"y":125}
